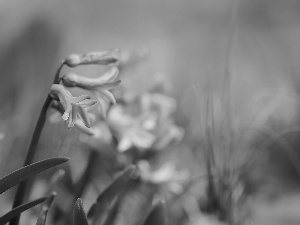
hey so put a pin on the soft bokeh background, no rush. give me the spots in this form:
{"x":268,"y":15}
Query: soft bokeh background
{"x":187,"y":41}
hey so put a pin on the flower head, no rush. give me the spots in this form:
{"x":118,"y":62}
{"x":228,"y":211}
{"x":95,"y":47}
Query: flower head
{"x":73,"y":106}
{"x":100,"y":86}
{"x":129,"y":130}
{"x":146,"y":123}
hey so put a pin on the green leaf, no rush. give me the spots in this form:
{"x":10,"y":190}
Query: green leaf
{"x":27,"y":171}
{"x":157,"y":215}
{"x":105,"y":199}
{"x":43,"y":214}
{"x":135,"y":203}
{"x":18,"y":210}
{"x":79,"y":216}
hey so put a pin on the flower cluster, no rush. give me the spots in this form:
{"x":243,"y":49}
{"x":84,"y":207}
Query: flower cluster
{"x":138,"y":124}
{"x":145,"y":123}
{"x":99,"y":86}
{"x":73,"y":106}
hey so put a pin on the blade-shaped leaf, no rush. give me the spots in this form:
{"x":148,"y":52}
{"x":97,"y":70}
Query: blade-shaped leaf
{"x":43,"y":214}
{"x":105,"y":199}
{"x":27,"y":171}
{"x":135,"y":203}
{"x":18,"y":210}
{"x":157,"y":215}
{"x":79,"y":216}
{"x":112,"y":214}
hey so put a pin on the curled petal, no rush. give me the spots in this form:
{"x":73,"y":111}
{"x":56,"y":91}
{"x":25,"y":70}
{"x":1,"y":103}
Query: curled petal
{"x":59,"y":92}
{"x":100,"y":58}
{"x":102,"y":105}
{"x":103,"y":98}
{"x":109,"y":85}
{"x":108,"y":95}
{"x":105,"y":82}
{"x":110,"y":75}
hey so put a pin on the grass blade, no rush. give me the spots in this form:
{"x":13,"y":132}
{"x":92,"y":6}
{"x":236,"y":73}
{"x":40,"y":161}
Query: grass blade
{"x":43,"y":214}
{"x":157,"y":215}
{"x":79,"y":216}
{"x":105,"y":199}
{"x":27,"y":171}
{"x":18,"y":210}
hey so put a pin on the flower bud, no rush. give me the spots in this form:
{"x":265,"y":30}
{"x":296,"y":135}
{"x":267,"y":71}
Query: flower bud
{"x":100,"y":58}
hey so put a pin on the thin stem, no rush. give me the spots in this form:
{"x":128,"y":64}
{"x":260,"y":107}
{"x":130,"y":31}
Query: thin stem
{"x":227,"y":87}
{"x":20,"y":194}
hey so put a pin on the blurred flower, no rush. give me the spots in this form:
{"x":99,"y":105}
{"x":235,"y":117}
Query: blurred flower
{"x":101,"y":58}
{"x":146,"y":123}
{"x":100,"y":86}
{"x":73,"y":106}
{"x":167,"y":175}
{"x":160,"y":108}
{"x":162,"y":104}
{"x":129,"y":130}
{"x":168,"y":133}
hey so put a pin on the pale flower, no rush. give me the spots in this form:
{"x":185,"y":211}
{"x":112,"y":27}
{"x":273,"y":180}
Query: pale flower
{"x":158,"y":110}
{"x":129,"y":130}
{"x":145,"y":123}
{"x":100,"y":86}
{"x":73,"y":106}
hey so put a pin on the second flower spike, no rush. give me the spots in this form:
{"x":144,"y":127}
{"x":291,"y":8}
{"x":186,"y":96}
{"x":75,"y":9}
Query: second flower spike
{"x":73,"y":106}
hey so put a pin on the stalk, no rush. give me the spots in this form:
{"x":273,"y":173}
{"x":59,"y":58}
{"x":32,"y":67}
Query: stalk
{"x":20,"y":194}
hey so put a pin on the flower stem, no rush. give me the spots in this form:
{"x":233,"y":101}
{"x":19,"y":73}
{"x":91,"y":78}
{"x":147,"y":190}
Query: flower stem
{"x":20,"y":194}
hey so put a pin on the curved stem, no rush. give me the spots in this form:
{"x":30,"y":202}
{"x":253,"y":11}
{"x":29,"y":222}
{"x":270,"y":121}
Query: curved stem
{"x":20,"y":194}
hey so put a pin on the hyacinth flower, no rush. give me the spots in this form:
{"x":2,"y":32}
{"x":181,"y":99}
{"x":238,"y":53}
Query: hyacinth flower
{"x":129,"y":130}
{"x":100,"y":86}
{"x":146,"y":123}
{"x":73,"y":106}
{"x":160,"y":109}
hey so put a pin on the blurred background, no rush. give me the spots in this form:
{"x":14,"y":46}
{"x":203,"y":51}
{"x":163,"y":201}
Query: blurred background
{"x":197,"y":45}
